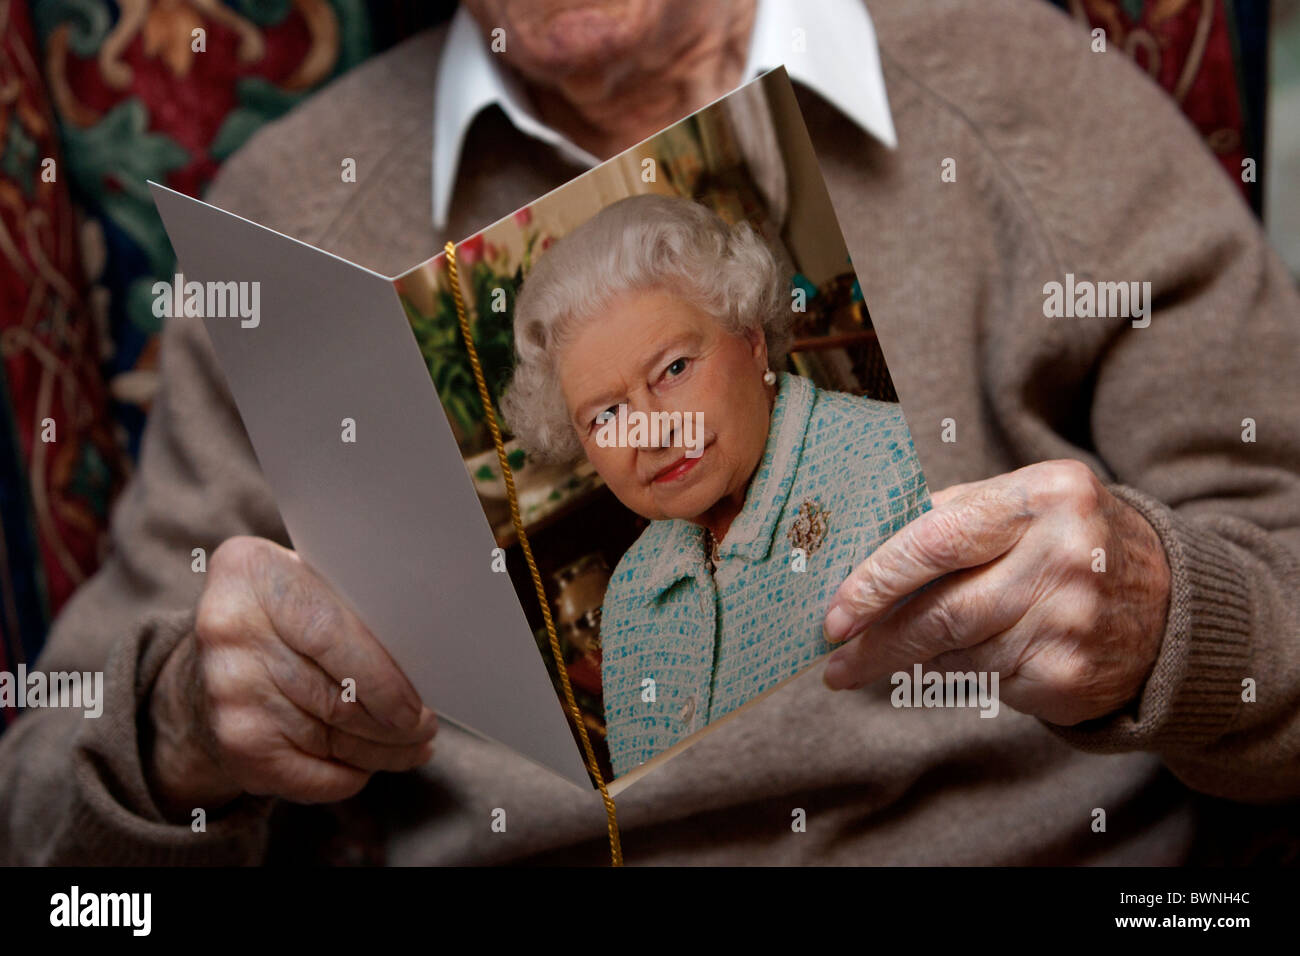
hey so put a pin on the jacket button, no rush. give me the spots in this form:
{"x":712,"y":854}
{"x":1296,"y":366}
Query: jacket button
{"x":688,"y":709}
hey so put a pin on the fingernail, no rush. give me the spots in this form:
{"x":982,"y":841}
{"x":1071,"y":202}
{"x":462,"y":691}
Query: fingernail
{"x":837,"y":624}
{"x":836,"y":674}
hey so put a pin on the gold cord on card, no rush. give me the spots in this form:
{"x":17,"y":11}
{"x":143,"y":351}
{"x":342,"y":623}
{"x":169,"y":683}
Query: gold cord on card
{"x":615,"y":847}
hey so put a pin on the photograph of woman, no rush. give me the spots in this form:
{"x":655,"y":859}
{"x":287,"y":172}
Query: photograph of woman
{"x":657,"y":307}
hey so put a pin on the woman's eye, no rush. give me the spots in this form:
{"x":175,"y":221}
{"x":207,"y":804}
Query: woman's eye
{"x":677,"y":367}
{"x":607,"y":415}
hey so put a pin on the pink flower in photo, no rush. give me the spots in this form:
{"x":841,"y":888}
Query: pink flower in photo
{"x":524,"y":217}
{"x":471,"y":251}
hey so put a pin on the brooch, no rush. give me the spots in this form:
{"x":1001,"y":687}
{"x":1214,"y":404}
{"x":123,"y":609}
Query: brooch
{"x":808,"y":530}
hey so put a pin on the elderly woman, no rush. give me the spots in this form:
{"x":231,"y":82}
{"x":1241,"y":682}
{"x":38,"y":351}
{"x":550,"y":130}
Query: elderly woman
{"x":656,"y":306}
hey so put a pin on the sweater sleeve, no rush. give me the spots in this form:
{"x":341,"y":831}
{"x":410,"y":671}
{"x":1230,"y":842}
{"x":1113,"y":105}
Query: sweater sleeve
{"x":1222,"y":703}
{"x":1196,"y":416}
{"x":72,"y":789}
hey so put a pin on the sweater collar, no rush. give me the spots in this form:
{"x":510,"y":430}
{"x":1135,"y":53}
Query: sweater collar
{"x":679,"y":545}
{"x":827,"y":45}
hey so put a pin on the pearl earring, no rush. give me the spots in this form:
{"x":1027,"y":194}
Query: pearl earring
{"x":769,"y":377}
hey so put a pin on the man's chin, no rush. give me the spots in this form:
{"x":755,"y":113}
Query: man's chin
{"x":582,"y":39}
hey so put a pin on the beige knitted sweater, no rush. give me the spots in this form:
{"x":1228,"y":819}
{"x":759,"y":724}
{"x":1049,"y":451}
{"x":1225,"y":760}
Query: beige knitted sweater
{"x":1067,"y":162}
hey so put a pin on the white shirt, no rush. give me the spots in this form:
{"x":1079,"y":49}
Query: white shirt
{"x":828,"y":46}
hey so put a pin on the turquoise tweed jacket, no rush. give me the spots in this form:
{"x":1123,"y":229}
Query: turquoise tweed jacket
{"x":712,"y":639}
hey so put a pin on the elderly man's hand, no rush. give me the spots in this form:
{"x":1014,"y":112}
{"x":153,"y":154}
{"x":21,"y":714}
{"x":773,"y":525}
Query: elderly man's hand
{"x":1017,"y":589}
{"x":254,"y":700}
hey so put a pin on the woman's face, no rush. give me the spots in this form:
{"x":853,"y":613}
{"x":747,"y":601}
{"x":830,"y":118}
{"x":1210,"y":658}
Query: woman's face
{"x":656,"y":353}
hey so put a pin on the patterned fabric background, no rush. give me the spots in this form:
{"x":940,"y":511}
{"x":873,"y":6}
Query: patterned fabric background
{"x":60,"y":461}
{"x":136,"y":101}
{"x":1211,"y":56}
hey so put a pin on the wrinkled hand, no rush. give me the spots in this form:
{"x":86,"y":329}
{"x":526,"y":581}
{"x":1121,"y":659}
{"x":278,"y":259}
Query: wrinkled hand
{"x":1014,"y":592}
{"x":253,"y":701}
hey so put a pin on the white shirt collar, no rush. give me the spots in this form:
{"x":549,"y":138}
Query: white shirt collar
{"x":827,"y":45}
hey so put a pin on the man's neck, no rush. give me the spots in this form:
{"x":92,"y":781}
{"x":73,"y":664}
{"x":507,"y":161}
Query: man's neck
{"x":605,"y":111}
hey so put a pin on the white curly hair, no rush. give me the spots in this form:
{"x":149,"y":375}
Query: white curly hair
{"x":641,"y":243}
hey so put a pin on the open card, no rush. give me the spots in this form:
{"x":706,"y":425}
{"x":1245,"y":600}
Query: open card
{"x":691,"y":514}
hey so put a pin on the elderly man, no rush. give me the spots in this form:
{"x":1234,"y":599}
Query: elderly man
{"x":1115,"y":539}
